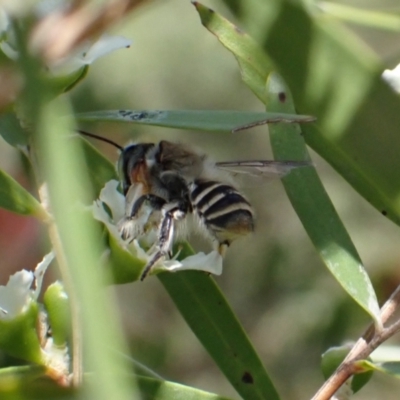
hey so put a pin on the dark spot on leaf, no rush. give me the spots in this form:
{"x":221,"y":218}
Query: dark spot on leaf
{"x":282,"y":97}
{"x":384,"y":212}
{"x":134,"y":116}
{"x":247,"y":378}
{"x":238,"y":30}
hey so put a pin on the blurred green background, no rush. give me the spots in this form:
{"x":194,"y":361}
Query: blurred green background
{"x":291,"y":307}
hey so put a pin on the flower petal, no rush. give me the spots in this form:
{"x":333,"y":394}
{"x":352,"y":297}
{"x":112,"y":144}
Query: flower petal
{"x":15,"y":297}
{"x":104,"y":45}
{"x":100,"y":214}
{"x":392,"y":77}
{"x":211,"y":262}
{"x":114,"y":199}
{"x":40,"y":271}
{"x":88,"y":53}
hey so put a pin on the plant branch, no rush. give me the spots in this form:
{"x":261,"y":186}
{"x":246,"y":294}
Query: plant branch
{"x":364,"y":346}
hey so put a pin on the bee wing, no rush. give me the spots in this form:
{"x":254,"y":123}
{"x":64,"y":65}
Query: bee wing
{"x":261,"y":168}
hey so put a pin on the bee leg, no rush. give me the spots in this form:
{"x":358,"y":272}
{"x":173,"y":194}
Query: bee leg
{"x":170,"y":212}
{"x":222,"y":248}
{"x":130,"y":226}
{"x":175,"y":209}
{"x":166,"y":235}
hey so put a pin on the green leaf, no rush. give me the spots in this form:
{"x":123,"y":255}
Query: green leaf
{"x":307,"y":194}
{"x":15,"y":198}
{"x":63,"y":164}
{"x":209,"y":316}
{"x":315,"y":209}
{"x":388,"y":367}
{"x":253,"y":63}
{"x":205,"y":120}
{"x":11,"y":130}
{"x":165,"y":390}
{"x":331,"y":360}
{"x":334,"y":76}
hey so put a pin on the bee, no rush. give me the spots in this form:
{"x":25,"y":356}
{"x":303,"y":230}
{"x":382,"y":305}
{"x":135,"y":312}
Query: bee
{"x":167,"y":183}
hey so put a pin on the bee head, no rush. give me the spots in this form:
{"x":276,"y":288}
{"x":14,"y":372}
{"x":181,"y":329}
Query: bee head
{"x":130,"y":161}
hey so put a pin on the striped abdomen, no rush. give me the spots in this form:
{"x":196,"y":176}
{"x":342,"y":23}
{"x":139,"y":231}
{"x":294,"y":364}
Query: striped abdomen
{"x":224,"y":211}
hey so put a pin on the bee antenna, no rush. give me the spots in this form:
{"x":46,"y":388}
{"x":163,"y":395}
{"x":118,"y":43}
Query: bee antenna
{"x":103,"y":139}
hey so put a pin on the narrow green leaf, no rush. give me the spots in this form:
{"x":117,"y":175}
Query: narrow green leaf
{"x":310,"y":200}
{"x":64,"y":167}
{"x":359,"y":16}
{"x":165,"y":390}
{"x":15,"y":198}
{"x":209,"y":316}
{"x":61,"y":164}
{"x":11,"y":130}
{"x":388,"y":367}
{"x":204,"y":120}
{"x":315,"y":209}
{"x":253,"y":63}
{"x":334,"y":76}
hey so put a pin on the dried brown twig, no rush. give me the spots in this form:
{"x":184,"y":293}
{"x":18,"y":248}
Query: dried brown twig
{"x":369,"y":341}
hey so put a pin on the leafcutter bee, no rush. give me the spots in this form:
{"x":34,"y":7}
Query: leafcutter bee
{"x":177,"y":183}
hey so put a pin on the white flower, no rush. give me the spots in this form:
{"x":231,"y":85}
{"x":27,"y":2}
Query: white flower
{"x":211,"y":262}
{"x":115,"y":201}
{"x":85,"y":55}
{"x":88,"y":53}
{"x":17,"y":295}
{"x":392,"y":77}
